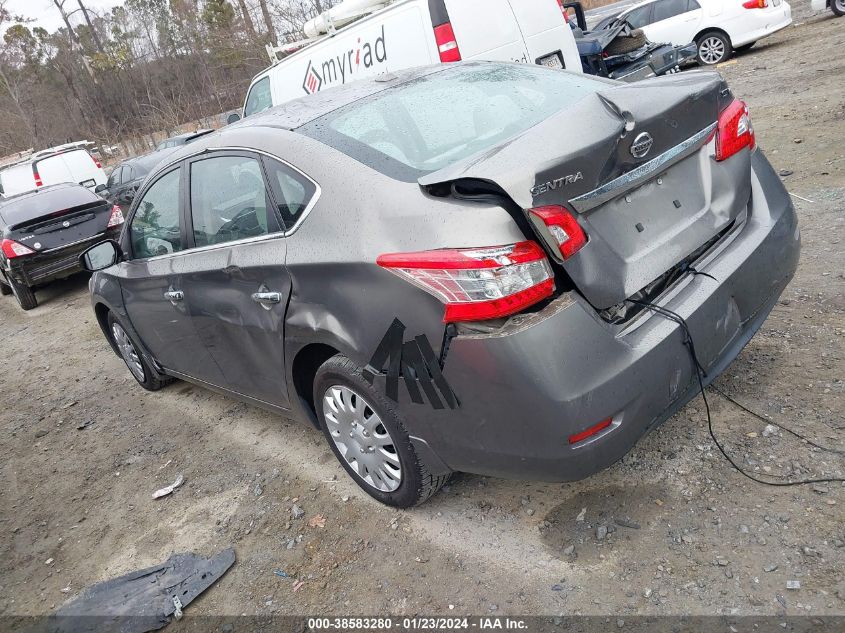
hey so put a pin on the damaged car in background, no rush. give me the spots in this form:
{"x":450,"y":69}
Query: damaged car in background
{"x":441,"y":272}
{"x":620,"y":51}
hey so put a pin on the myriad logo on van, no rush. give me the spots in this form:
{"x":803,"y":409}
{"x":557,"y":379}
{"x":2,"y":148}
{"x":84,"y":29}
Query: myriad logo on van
{"x":345,"y":66}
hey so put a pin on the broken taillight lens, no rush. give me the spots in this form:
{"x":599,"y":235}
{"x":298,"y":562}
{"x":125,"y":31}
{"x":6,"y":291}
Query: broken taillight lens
{"x":734,"y":130}
{"x":12,"y":249}
{"x":476,"y":284}
{"x":116,"y":217}
{"x":563,"y":227}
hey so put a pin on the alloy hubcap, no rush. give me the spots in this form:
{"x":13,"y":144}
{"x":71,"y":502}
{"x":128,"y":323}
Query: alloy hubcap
{"x":127,"y":350}
{"x":840,"y":4}
{"x":361,"y":438}
{"x":711,"y":50}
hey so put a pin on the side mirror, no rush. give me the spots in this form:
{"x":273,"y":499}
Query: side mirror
{"x":100,"y":256}
{"x":100,"y":188}
{"x":233,"y":118}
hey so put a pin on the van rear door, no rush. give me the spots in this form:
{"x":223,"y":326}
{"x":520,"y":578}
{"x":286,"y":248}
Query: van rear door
{"x":547,"y":36}
{"x":487,"y":29}
{"x":75,"y":166}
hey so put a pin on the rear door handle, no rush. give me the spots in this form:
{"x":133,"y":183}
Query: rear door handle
{"x":174,"y":295}
{"x":267,"y":298}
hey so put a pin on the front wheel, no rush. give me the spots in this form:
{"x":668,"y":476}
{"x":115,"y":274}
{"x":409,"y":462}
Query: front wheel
{"x":713,"y":48}
{"x":366,"y":433}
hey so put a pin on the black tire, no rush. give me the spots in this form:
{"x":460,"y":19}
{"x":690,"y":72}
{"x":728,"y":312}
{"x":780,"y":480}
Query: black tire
{"x":745,"y":47}
{"x":148,"y":379}
{"x":838,"y":7}
{"x":5,"y":290}
{"x":416,"y":483}
{"x":24,"y":294}
{"x":714,"y":47}
{"x":626,"y":43}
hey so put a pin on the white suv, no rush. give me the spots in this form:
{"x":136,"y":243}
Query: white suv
{"x":718,"y":27}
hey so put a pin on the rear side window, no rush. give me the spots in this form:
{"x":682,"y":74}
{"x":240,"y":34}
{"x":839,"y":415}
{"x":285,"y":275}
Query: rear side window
{"x":665,"y":9}
{"x":155,"y":225}
{"x":639,"y":18}
{"x":229,"y":200}
{"x":429,"y":123}
{"x":259,"y":97}
{"x":292,"y":190}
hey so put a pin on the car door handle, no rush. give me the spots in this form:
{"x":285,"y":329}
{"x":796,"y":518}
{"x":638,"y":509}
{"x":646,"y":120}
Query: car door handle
{"x":174,"y":295}
{"x":265,"y":298}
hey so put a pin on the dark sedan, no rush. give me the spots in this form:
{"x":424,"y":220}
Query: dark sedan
{"x":447,"y":269}
{"x":125,"y":179}
{"x":44,"y":231}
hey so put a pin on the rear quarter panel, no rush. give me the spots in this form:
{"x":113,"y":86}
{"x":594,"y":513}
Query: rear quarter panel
{"x":340,"y":296}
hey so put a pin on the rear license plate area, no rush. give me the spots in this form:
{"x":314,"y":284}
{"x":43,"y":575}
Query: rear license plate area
{"x":555,"y":60}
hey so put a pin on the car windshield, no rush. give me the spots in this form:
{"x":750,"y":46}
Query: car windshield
{"x":432,"y":122}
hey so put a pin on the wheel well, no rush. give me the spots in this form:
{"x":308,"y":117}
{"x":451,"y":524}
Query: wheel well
{"x":305,"y":366}
{"x":102,"y":313}
{"x":711,"y":30}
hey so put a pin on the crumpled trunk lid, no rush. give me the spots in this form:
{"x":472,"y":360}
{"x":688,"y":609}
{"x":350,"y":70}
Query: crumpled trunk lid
{"x":644,"y":206}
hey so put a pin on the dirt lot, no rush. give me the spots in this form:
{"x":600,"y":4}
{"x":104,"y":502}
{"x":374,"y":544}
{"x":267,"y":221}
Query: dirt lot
{"x":701,"y":539}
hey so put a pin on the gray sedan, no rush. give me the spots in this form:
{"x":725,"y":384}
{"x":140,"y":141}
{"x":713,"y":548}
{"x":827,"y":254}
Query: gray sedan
{"x":458,"y":268}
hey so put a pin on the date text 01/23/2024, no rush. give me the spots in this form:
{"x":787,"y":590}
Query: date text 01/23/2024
{"x":420,"y":623}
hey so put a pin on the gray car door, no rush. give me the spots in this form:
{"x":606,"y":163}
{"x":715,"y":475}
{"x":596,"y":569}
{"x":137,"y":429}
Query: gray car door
{"x":235,"y":281}
{"x":151,"y":280}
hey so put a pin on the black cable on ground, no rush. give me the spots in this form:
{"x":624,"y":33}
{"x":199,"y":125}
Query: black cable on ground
{"x":700,"y":374}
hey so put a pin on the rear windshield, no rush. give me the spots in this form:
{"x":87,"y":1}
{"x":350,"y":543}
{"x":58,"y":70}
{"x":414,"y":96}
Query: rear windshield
{"x":434,"y":121}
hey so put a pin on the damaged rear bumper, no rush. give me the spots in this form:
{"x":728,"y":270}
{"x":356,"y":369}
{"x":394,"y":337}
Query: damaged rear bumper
{"x":527,"y":389}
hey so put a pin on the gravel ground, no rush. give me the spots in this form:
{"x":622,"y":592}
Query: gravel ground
{"x":672,"y":529}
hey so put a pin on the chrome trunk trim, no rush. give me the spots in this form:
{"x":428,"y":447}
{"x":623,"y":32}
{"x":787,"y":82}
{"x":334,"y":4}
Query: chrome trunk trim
{"x":638,"y":175}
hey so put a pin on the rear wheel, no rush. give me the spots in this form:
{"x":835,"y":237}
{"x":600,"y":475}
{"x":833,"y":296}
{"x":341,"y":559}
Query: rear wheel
{"x":138,"y":367}
{"x":4,"y":288}
{"x":24,"y":294}
{"x":838,"y":7}
{"x":366,"y":433}
{"x":714,"y":47}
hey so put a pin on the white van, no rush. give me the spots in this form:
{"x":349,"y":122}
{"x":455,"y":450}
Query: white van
{"x":416,"y":33}
{"x":65,"y":163}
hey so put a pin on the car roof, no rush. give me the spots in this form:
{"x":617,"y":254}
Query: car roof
{"x":45,"y":199}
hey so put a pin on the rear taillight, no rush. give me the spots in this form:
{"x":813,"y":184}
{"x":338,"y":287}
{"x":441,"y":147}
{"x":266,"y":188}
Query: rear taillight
{"x":96,"y":162}
{"x":756,"y":4}
{"x":116,"y":217}
{"x":12,"y":249}
{"x":38,"y":182}
{"x":734,"y":130}
{"x":477,"y":283}
{"x":563,"y":11}
{"x":563,"y":227}
{"x":447,"y":45}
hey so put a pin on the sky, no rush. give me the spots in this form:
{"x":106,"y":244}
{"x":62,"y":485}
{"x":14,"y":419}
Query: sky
{"x":45,"y":14}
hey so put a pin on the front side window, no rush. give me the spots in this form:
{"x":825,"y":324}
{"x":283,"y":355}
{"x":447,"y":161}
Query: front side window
{"x":229,"y":200}
{"x":292,"y":190}
{"x":155,"y":225}
{"x":665,"y":9}
{"x":259,"y":97}
{"x":114,"y":177}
